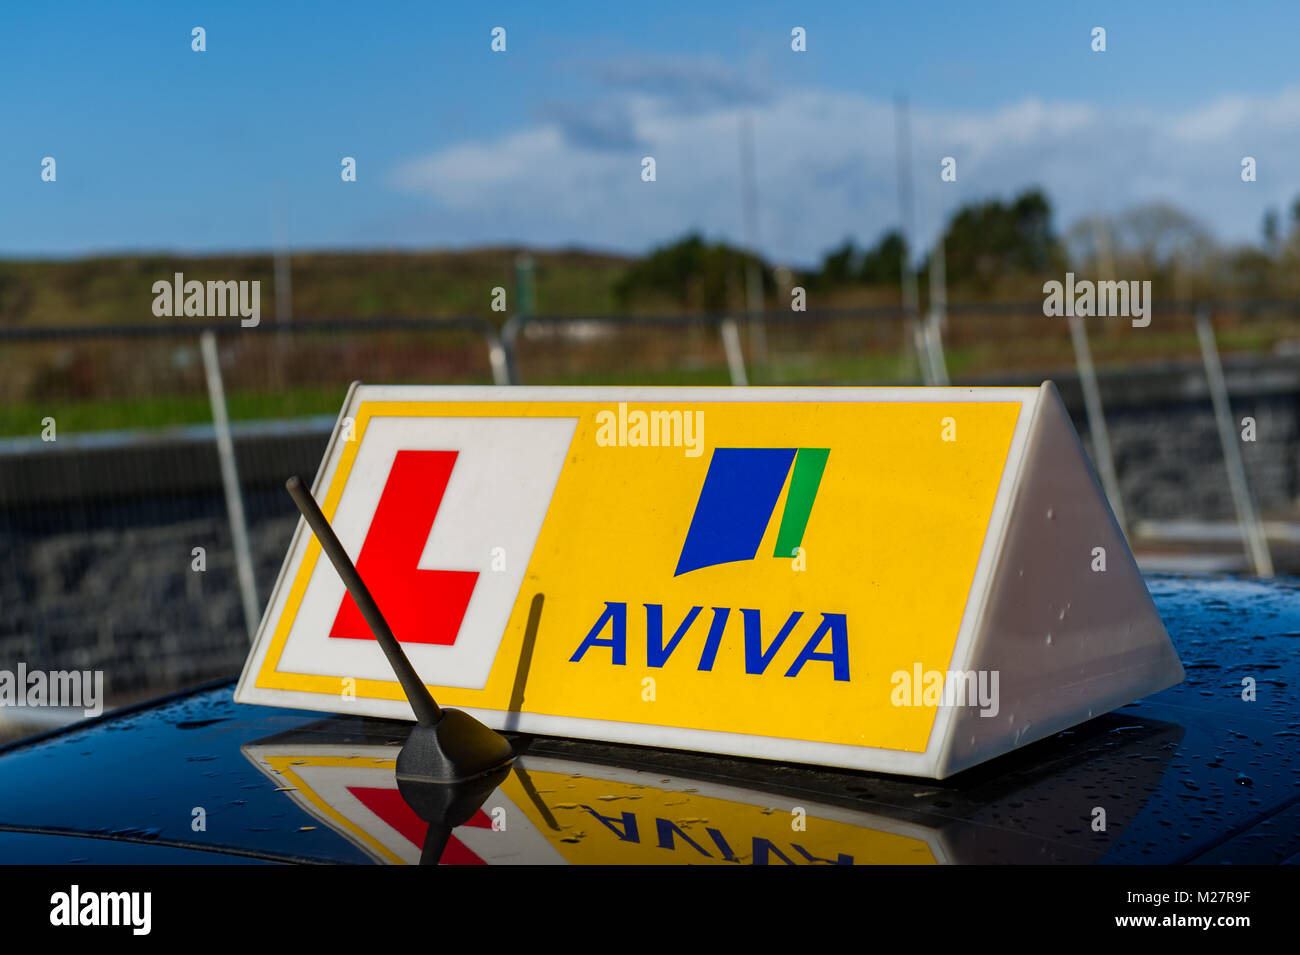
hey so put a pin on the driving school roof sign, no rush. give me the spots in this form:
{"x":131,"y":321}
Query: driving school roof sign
{"x":897,"y":579}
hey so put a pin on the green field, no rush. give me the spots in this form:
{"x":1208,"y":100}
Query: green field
{"x":111,"y":383}
{"x":24,"y":418}
{"x":118,"y":290}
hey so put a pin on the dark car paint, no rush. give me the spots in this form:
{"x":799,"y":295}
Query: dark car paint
{"x":1193,"y":774}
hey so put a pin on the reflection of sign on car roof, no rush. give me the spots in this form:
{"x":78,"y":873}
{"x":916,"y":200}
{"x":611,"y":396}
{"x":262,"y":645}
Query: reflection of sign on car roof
{"x":907,"y":580}
{"x":558,"y":807}
{"x":353,"y":790}
{"x":556,"y":812}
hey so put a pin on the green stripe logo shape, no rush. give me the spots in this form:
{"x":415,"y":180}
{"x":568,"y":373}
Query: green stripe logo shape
{"x":809,"y":464}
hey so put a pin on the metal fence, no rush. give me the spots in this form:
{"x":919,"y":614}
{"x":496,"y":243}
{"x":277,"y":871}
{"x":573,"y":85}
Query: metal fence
{"x":142,"y":512}
{"x":133,"y":456}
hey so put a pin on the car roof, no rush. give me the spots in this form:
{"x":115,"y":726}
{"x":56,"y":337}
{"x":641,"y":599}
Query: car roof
{"x":1196,"y":773}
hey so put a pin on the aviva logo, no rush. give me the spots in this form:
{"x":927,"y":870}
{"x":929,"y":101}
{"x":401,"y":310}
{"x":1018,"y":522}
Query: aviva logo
{"x":739,"y":496}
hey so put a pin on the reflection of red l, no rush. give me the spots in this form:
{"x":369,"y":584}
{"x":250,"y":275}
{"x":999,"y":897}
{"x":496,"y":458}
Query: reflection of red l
{"x":389,"y":806}
{"x":422,"y":606}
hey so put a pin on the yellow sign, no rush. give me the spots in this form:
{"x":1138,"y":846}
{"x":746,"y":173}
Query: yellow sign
{"x":765,"y":572}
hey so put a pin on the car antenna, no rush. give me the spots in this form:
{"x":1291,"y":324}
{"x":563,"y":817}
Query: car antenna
{"x":446,"y":746}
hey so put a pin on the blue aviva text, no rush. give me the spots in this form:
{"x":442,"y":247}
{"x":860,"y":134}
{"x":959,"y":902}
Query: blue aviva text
{"x":832,"y":629}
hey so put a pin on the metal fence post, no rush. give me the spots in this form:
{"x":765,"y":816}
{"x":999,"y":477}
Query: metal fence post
{"x":914,"y":333}
{"x":499,"y":359}
{"x":934,"y":350}
{"x":230,"y":482}
{"x":934,"y":321}
{"x":1097,"y":420}
{"x":735,"y":357}
{"x":1252,"y":532}
{"x":509,"y":348}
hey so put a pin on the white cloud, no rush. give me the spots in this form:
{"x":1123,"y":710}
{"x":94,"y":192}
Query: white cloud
{"x":826,"y":167}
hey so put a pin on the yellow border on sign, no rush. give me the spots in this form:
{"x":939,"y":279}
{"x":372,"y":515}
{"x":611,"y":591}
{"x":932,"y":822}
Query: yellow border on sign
{"x":495,"y":694}
{"x":262,"y":671}
{"x":270,"y":676}
{"x":282,"y":764}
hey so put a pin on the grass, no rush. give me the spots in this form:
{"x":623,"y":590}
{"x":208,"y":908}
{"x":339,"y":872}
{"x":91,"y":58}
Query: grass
{"x":23,"y":418}
{"x":118,"y":289}
{"x":433,"y":284}
{"x":161,"y":411}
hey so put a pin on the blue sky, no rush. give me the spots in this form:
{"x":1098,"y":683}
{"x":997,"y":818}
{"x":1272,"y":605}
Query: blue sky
{"x":162,"y":148}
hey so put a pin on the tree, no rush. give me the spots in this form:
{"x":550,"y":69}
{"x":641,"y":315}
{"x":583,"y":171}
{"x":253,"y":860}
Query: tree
{"x":882,"y":264}
{"x":986,"y":241}
{"x":1164,"y":237}
{"x":840,"y":265}
{"x":692,"y":273}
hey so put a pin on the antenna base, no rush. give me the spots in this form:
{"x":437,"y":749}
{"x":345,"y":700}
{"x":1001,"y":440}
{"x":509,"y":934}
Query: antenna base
{"x":455,"y":749}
